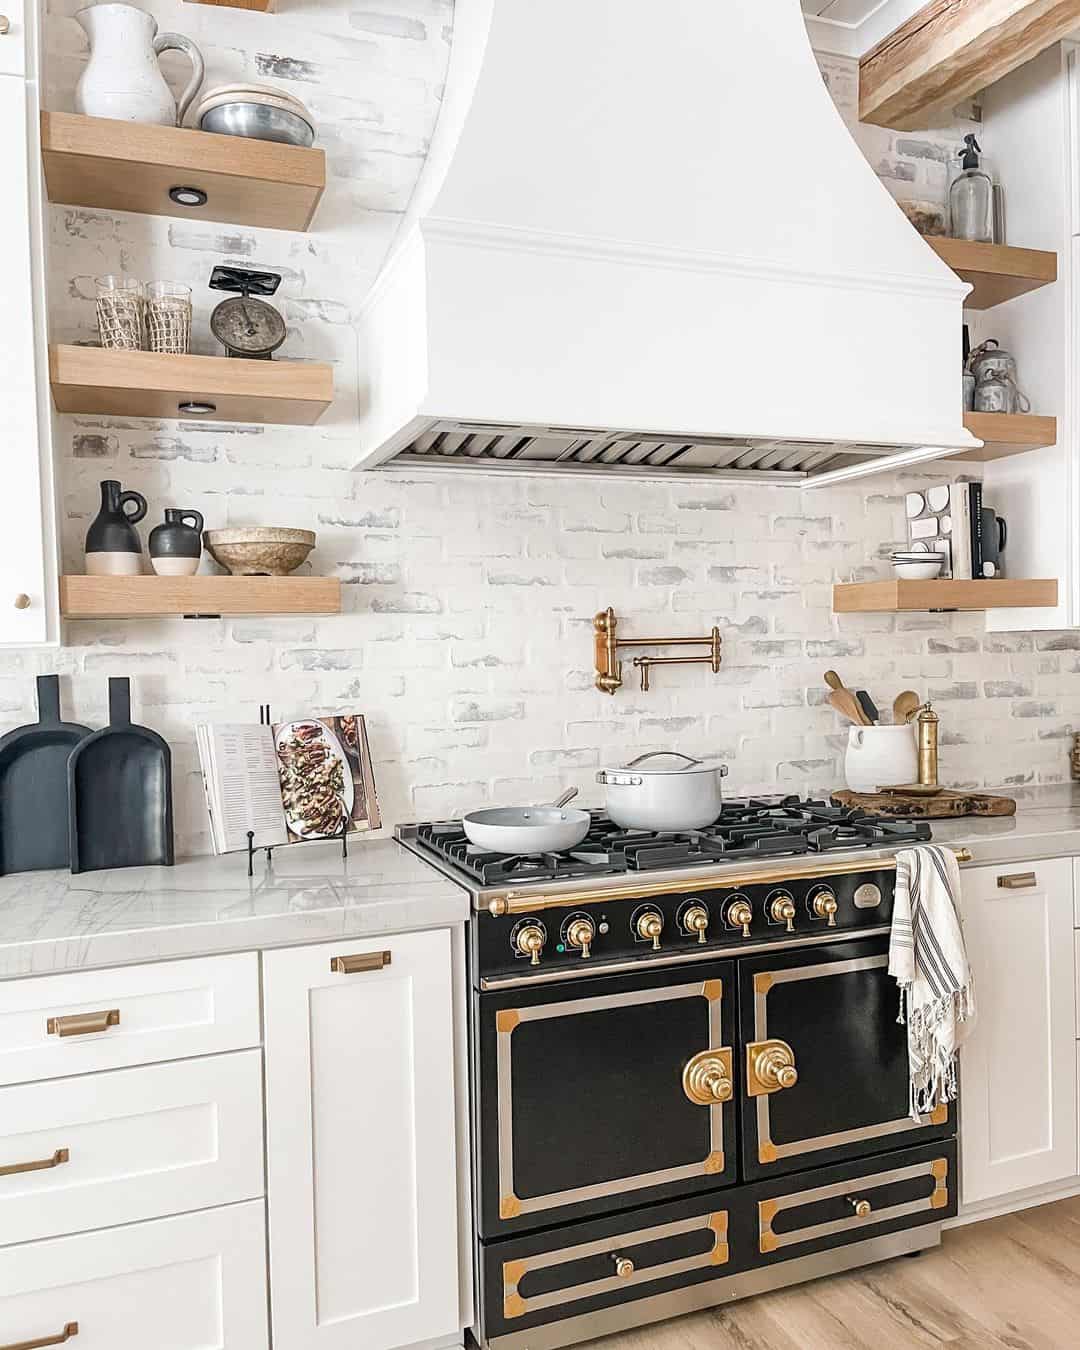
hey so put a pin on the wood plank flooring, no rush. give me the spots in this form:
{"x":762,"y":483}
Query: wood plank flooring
{"x":1004,"y":1284}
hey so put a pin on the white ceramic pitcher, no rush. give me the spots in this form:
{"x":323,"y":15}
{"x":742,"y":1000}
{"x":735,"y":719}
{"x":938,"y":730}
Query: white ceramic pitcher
{"x":880,"y":757}
{"x":123,"y":79}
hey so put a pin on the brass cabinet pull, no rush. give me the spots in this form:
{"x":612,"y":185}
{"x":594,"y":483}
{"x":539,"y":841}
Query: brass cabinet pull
{"x":82,"y":1024}
{"x":1018,"y":881}
{"x":41,"y":1165}
{"x":70,"y":1329}
{"x":624,"y":1267}
{"x":355,"y":965}
{"x":707,"y":1079}
{"x":770,"y":1067}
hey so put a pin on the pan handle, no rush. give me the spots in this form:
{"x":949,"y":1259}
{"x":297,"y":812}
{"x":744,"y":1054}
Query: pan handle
{"x":48,"y":699}
{"x":119,"y":701}
{"x":567,"y":796}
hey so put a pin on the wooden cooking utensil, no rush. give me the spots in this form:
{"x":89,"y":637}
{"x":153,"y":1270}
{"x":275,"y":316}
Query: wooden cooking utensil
{"x":833,"y":680}
{"x":847,"y":705}
{"x":905,"y":706}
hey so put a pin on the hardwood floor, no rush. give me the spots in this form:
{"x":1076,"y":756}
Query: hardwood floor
{"x":1004,"y":1284}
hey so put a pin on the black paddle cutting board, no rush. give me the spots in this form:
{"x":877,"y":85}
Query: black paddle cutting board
{"x":120,"y":793}
{"x":34,"y":786}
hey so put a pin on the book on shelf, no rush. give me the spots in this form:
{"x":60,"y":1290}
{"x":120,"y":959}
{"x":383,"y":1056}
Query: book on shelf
{"x":960,"y":533}
{"x":309,"y":778}
{"x":975,"y":512}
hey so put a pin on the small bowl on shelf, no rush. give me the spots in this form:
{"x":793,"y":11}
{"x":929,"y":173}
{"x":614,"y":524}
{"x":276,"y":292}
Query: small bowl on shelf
{"x":923,"y":567}
{"x":259,"y":550}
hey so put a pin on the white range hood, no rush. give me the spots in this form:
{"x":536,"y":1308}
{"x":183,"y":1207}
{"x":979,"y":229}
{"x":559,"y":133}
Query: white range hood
{"x":644,"y":242}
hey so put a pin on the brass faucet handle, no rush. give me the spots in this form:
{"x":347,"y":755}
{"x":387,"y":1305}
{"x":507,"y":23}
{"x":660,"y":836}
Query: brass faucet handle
{"x":825,"y":907}
{"x":530,"y":942}
{"x":740,"y":915}
{"x":696,"y":920}
{"x":782,"y":910}
{"x":580,"y":936}
{"x":649,"y":927}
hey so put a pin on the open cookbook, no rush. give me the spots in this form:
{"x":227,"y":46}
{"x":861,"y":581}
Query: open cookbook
{"x":293,"y":781}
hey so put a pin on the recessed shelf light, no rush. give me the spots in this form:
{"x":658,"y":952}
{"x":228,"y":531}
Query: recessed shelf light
{"x":187,"y":196}
{"x":193,"y":409}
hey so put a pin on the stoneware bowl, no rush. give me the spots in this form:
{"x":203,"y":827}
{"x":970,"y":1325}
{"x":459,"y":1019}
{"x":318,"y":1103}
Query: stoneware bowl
{"x":259,"y":550}
{"x":918,"y":571}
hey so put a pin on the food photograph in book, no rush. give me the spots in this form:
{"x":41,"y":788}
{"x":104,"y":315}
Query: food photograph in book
{"x":324,"y":765}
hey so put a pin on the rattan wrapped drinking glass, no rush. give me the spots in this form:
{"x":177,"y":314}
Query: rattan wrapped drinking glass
{"x":168,"y":317}
{"x":120,"y":312}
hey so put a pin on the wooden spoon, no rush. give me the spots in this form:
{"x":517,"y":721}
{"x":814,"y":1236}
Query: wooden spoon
{"x":833,"y":680}
{"x":905,"y":706}
{"x":847,"y":705}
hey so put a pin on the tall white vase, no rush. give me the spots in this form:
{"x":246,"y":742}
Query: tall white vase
{"x":123,"y":79}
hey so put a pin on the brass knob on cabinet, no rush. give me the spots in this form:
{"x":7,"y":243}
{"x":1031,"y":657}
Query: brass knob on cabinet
{"x":696,"y":920}
{"x":707,"y":1078}
{"x":530,"y":942}
{"x":825,"y":907}
{"x":770,"y":1067}
{"x":782,"y":910}
{"x":5,"y":28}
{"x":624,"y":1267}
{"x":649,"y":927}
{"x":22,"y":600}
{"x":740,"y":915}
{"x":863,"y":1208}
{"x":580,"y":936}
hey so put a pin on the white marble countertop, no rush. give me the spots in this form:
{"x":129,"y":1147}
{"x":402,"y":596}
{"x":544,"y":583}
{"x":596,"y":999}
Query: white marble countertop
{"x":1046,"y":825}
{"x":53,"y":921}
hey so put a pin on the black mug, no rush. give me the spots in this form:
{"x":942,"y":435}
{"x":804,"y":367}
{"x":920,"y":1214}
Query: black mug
{"x":995,"y":534}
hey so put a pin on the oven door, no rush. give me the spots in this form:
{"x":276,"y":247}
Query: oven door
{"x":824,"y":1063}
{"x":602,"y":1093}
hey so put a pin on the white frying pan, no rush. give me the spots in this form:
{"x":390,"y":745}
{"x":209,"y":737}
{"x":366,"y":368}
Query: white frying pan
{"x":528,"y":829}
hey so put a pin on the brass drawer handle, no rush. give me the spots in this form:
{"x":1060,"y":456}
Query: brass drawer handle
{"x":624,"y":1267}
{"x":1018,"y":881}
{"x":71,"y":1329}
{"x":41,"y":1165}
{"x":354,"y":965}
{"x":863,"y":1208}
{"x":82,"y":1024}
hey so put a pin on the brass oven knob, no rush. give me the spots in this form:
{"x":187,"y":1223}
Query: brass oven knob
{"x":696,"y":920}
{"x":862,"y":1208}
{"x":740,"y":915}
{"x":707,"y":1078}
{"x":580,"y":936}
{"x":530,"y":942}
{"x":773,"y":1064}
{"x":624,"y":1267}
{"x":649,"y":927}
{"x":825,"y":907}
{"x":782,"y":910}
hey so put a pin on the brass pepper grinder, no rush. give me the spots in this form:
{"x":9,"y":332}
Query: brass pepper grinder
{"x":928,"y":723}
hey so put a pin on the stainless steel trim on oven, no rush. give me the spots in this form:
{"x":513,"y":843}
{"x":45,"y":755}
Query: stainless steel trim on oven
{"x":768,"y":1150}
{"x":515,"y":1305}
{"x":769,"y":1241}
{"x":509,"y":1019}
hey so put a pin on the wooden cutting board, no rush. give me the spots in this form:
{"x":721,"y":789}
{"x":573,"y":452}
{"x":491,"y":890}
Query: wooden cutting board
{"x":944,"y":806}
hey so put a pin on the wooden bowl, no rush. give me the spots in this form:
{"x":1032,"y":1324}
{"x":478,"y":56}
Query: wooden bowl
{"x":259,"y":550}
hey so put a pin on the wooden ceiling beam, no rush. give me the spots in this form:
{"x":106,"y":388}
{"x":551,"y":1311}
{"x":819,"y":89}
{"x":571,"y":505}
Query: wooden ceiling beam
{"x":950,"y":50}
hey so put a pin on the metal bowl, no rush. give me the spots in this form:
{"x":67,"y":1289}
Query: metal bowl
{"x":258,"y":121}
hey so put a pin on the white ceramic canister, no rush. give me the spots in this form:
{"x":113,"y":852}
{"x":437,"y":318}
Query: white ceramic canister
{"x":880,"y":757}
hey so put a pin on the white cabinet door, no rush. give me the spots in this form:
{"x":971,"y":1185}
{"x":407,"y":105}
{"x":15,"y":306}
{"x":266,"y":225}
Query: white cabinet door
{"x":24,"y":603}
{"x":1018,"y":1093}
{"x":361,"y":1154}
{"x":12,"y":38}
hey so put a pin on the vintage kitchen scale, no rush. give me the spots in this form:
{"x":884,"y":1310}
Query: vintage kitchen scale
{"x":246,"y":325}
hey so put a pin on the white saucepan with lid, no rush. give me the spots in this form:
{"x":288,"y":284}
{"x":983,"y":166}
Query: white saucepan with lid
{"x":675,"y":792}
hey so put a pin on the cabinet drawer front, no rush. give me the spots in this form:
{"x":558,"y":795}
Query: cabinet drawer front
{"x":197,"y":1282}
{"x":110,"y":1019}
{"x":134,"y":1144}
{"x":13,"y":43}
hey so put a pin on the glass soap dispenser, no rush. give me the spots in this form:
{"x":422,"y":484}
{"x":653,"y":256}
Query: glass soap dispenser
{"x":971,"y":198}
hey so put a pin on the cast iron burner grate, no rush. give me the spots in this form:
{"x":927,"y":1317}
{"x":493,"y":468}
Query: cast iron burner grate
{"x":747,"y":829}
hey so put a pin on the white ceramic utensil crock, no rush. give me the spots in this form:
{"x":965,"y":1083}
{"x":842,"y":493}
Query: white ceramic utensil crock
{"x":676,"y":793}
{"x":123,"y":79}
{"x":880,"y":757}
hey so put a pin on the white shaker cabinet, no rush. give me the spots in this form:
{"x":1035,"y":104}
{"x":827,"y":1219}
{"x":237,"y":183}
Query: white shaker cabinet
{"x":1018,"y":1099}
{"x":361,"y":1148}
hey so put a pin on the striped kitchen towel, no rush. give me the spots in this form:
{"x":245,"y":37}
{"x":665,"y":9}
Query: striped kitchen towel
{"x":928,"y":959}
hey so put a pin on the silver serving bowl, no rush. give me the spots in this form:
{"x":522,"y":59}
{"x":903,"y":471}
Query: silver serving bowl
{"x":259,"y":121}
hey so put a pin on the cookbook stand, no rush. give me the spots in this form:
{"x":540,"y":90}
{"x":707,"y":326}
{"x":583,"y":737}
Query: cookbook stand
{"x":266,"y":721}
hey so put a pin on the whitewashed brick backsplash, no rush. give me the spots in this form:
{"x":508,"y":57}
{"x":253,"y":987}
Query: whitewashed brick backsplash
{"x":467,"y":632}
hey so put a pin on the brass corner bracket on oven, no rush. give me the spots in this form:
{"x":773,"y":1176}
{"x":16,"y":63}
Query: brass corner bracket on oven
{"x":609,"y":667}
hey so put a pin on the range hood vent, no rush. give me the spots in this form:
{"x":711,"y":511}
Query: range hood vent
{"x":645,"y":243}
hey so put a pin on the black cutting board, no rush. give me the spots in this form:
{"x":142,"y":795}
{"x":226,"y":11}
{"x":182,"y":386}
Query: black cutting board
{"x":120,"y":793}
{"x":34,"y":786}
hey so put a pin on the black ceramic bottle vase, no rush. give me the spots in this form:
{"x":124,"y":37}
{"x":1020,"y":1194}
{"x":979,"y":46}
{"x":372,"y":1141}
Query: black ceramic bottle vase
{"x":176,"y":546}
{"x":113,"y":546}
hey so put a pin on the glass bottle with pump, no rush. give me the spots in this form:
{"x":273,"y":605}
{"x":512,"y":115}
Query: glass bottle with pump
{"x":971,"y":198}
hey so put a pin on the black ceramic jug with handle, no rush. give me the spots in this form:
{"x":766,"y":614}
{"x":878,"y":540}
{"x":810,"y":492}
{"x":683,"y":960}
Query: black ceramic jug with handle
{"x":113,"y":546}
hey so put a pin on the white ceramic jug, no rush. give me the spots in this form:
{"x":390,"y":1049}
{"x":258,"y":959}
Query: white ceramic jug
{"x":880,"y":757}
{"x":122,"y":79}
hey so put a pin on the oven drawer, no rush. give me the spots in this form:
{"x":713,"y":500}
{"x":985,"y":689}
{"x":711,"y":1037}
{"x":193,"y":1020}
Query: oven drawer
{"x":586,"y":1267}
{"x":867,"y":1198}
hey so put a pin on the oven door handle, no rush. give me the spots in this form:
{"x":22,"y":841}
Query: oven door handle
{"x":707,"y":1079}
{"x":770,"y":1067}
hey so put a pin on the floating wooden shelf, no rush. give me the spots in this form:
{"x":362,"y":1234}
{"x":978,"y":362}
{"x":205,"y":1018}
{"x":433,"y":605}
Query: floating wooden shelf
{"x":998,"y":272}
{"x":130,"y":166}
{"x":1005,"y":434}
{"x":161,"y":597}
{"x":261,"y":5}
{"x":151,"y":384}
{"x":882,"y":596}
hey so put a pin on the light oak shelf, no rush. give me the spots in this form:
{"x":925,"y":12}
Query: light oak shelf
{"x":998,"y":272}
{"x":155,"y":597}
{"x":152,"y":384}
{"x":261,"y":5}
{"x":897,"y":595}
{"x":130,"y":166}
{"x":1005,"y":434}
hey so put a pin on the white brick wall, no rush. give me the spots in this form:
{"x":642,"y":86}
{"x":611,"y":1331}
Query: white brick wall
{"x":466,"y":636}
